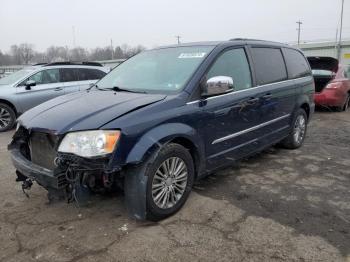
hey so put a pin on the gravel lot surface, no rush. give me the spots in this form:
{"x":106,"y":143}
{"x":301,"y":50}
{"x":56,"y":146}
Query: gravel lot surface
{"x":280,"y":205}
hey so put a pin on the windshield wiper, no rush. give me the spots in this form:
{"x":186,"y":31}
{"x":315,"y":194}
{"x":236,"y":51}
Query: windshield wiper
{"x":119,"y":89}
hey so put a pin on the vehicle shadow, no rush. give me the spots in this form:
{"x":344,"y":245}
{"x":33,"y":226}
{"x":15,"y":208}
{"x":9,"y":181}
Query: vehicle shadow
{"x":304,"y":191}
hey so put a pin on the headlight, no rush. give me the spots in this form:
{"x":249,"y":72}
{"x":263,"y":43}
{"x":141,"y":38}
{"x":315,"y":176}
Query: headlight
{"x":90,"y":143}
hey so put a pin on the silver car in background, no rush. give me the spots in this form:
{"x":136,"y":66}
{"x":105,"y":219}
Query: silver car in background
{"x":34,"y":85}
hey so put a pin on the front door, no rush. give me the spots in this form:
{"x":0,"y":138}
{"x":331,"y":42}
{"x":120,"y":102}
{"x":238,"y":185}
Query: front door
{"x":47,"y":86}
{"x":231,"y":120}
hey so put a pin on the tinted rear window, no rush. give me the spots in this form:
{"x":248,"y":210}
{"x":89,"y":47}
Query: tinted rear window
{"x":297,"y":65}
{"x":90,"y":74}
{"x":269,"y":65}
{"x":68,"y":75}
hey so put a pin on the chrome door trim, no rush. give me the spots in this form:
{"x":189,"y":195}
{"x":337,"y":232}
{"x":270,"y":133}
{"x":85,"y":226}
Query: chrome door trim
{"x":247,"y":143}
{"x":219,"y":140}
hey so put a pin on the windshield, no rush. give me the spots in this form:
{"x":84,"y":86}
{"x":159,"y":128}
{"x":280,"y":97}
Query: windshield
{"x":12,"y":78}
{"x":161,"y":70}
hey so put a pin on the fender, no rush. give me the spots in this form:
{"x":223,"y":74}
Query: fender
{"x":302,"y":99}
{"x":11,"y":103}
{"x":305,"y":94}
{"x":156,"y":137}
{"x":305,"y":99}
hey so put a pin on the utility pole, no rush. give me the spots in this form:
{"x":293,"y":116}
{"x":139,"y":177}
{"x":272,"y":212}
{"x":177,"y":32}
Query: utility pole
{"x":112,"y":48}
{"x":178,"y":39}
{"x":299,"y":23}
{"x":341,"y":28}
{"x":336,"y":42}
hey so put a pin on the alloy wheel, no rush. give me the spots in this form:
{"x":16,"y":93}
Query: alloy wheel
{"x":5,"y":118}
{"x":169,"y":182}
{"x":299,"y":129}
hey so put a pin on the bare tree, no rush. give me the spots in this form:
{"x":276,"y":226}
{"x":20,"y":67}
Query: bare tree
{"x":16,"y":54}
{"x":27,"y":52}
{"x":101,"y":53}
{"x":78,"y":54}
{"x":6,"y":59}
{"x":118,"y":53}
{"x":57,"y":54}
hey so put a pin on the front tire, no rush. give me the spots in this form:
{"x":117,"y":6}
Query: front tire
{"x":7,"y":117}
{"x":165,"y":182}
{"x":299,"y":127}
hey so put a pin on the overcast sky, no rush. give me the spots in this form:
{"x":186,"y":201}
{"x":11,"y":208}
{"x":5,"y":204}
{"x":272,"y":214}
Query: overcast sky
{"x":156,"y":22}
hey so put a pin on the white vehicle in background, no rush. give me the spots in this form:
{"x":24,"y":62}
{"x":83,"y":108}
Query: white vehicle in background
{"x":36,"y":84}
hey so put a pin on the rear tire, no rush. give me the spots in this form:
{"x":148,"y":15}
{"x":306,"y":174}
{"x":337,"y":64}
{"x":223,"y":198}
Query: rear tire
{"x":7,"y":117}
{"x":299,"y":127}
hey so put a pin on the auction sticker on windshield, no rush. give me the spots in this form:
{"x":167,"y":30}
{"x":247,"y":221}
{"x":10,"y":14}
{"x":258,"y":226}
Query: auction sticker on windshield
{"x":192,"y":55}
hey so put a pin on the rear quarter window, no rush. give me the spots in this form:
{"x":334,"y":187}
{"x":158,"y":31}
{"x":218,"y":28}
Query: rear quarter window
{"x":68,"y":75}
{"x":269,"y":65}
{"x":90,"y":74}
{"x":297,"y":64}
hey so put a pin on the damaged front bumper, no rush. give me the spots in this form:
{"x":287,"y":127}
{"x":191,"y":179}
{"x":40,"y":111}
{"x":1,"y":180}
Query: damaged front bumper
{"x":44,"y":177}
{"x":64,"y":176}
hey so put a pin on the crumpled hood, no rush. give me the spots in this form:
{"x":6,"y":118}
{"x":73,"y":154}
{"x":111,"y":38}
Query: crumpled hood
{"x":323,"y":63}
{"x":84,"y":110}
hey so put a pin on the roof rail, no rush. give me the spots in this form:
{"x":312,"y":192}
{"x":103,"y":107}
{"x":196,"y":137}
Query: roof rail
{"x":37,"y":64}
{"x":244,"y":39}
{"x":87,"y":63}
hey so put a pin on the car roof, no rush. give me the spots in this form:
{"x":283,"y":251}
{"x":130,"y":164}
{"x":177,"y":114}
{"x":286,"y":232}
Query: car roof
{"x":231,"y":42}
{"x":73,"y":66}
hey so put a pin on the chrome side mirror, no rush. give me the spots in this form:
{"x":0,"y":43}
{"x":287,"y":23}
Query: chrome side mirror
{"x":218,"y":85}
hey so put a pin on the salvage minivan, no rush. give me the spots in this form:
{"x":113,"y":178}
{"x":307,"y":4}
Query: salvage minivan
{"x":165,"y":118}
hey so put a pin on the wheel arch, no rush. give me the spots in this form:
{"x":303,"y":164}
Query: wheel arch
{"x":306,"y":107}
{"x":6,"y":102}
{"x":178,"y":133}
{"x":304,"y":102}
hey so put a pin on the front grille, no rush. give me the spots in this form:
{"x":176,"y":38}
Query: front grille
{"x":43,"y":149}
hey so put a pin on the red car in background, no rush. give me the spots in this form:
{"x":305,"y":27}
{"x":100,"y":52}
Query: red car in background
{"x":332,"y":83}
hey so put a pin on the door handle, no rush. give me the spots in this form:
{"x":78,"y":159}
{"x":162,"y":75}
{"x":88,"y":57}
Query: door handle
{"x":58,"y":89}
{"x":267,"y":96}
{"x":252,"y":101}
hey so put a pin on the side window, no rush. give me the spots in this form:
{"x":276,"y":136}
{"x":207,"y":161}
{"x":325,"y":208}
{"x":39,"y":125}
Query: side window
{"x":269,"y":65}
{"x":83,"y":74}
{"x":89,"y":74}
{"x":297,"y":65}
{"x":233,"y":63}
{"x":97,"y":74}
{"x":68,"y":75}
{"x":44,"y":77}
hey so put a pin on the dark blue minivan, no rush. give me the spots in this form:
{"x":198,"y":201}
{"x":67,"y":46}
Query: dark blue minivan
{"x":163,"y":119}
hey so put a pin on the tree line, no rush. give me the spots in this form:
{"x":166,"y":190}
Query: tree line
{"x":24,"y":54}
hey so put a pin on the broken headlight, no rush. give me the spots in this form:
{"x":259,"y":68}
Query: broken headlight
{"x":90,"y":143}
